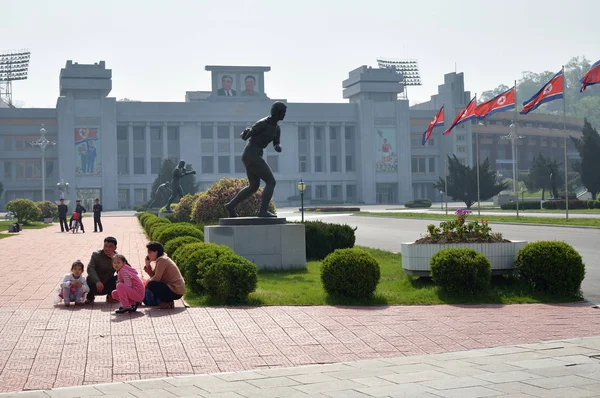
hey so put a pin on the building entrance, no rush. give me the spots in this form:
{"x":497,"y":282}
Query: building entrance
{"x":387,"y":193}
{"x":88,"y":196}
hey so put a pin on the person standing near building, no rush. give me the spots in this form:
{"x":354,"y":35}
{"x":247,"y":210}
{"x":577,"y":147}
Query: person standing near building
{"x":97,"y":211}
{"x":78,"y":209}
{"x":62,"y":216}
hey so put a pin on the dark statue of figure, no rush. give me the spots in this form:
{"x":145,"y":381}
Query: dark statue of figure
{"x":162,"y":192}
{"x":553,"y":185}
{"x":178,"y":173}
{"x":261,"y":134}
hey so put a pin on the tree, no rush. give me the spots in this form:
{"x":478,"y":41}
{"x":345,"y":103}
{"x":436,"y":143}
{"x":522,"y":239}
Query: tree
{"x":588,"y":147}
{"x":188,"y":183}
{"x":462,"y":182}
{"x":1,"y":188}
{"x":24,"y":210}
{"x":544,"y":174}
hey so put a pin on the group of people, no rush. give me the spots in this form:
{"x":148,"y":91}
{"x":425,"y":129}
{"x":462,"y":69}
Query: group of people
{"x":109,"y":273}
{"x":77,"y":216}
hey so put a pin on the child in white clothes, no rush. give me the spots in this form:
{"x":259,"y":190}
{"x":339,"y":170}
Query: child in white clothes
{"x":73,"y":286}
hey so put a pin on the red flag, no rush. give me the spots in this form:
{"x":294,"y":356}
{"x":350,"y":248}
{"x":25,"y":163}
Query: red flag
{"x":591,"y":77}
{"x":464,"y":116}
{"x":551,"y":91}
{"x":500,"y":103}
{"x":438,"y":120}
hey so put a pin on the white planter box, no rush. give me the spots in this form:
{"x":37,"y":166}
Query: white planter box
{"x":416,"y":257}
{"x":48,"y":220}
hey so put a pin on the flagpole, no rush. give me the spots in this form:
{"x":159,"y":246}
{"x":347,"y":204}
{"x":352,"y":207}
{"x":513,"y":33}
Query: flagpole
{"x":516,"y":143}
{"x":478,"y":196}
{"x":446,"y":177}
{"x":565,"y":138}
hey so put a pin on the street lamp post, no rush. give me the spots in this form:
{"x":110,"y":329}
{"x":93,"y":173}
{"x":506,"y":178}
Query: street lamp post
{"x":42,"y":143}
{"x":63,"y":187}
{"x":301,"y":188}
{"x":513,"y":137}
{"x":441,"y":200}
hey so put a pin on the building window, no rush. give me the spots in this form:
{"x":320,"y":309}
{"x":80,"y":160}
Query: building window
{"x":349,"y":134}
{"x":223,"y":164}
{"x":462,"y":149}
{"x":223,"y":131}
{"x":431,"y":165}
{"x":302,"y":163}
{"x":336,"y":192}
{"x":321,"y":192}
{"x":138,"y":134}
{"x":350,"y":193}
{"x":173,"y":133}
{"x":206,"y":132}
{"x":29,"y":169}
{"x":123,"y":198}
{"x":123,"y":165}
{"x":155,"y":165}
{"x":273,"y":162}
{"x":239,"y":165}
{"x":8,"y":143}
{"x":302,"y":132}
{"x":23,"y":143}
{"x":139,"y":165}
{"x":461,"y":137}
{"x":207,"y":165}
{"x":140,"y":196}
{"x":8,"y":170}
{"x":431,"y":142}
{"x":349,"y":163}
{"x":155,"y":134}
{"x":418,"y":165}
{"x":334,"y":163}
{"x":415,"y":141}
{"x":122,"y":133}
{"x":333,"y":133}
{"x":318,"y":133}
{"x":318,"y":165}
{"x":50,"y":168}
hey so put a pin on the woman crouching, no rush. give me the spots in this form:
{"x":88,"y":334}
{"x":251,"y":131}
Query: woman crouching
{"x":166,"y":282}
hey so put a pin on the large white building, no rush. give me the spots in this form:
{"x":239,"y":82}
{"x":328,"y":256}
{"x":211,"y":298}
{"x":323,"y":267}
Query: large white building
{"x":365,"y":151}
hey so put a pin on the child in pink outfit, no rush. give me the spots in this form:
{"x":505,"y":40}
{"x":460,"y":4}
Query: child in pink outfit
{"x":130,"y":288}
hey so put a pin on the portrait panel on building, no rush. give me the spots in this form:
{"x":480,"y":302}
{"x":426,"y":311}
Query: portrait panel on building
{"x":227,"y":82}
{"x":386,"y":151}
{"x":87,"y":151}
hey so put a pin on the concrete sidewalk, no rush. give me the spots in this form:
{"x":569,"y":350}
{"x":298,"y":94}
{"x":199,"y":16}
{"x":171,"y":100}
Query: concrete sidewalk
{"x":567,"y":368}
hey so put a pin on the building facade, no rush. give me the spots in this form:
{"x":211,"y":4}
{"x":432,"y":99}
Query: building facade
{"x":365,"y":151}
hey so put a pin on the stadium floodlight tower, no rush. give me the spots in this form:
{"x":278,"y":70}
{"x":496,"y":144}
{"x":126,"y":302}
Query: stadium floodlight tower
{"x":13,"y":66}
{"x":408,"y":68}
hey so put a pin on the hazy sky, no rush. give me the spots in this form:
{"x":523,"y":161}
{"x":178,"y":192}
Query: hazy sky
{"x":158,"y":49}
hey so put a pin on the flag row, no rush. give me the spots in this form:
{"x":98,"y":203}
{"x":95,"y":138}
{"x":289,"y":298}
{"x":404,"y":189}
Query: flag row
{"x":551,"y":91}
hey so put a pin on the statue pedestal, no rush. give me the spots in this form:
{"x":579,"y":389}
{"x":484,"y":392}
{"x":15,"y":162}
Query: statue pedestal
{"x":269,"y":243}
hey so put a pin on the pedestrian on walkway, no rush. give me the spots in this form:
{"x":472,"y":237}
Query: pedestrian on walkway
{"x":130,"y":288}
{"x":73,"y":286}
{"x":62,"y":216}
{"x":166,"y":282}
{"x":97,"y":211}
{"x":101,"y":274}
{"x":80,"y":210}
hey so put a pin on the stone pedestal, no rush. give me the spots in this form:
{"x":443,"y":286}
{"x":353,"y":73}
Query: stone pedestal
{"x":269,"y":243}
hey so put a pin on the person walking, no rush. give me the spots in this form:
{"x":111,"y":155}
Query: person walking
{"x":97,"y":211}
{"x":62,"y":216}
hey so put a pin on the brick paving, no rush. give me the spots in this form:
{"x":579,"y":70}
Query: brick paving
{"x":42,"y":346}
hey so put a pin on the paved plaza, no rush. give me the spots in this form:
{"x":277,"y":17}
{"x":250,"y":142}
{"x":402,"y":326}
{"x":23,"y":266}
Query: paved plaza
{"x":47,"y":347}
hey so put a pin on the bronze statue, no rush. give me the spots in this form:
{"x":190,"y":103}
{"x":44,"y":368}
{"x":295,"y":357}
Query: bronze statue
{"x":178,"y":173}
{"x":162,"y":192}
{"x":259,"y":136}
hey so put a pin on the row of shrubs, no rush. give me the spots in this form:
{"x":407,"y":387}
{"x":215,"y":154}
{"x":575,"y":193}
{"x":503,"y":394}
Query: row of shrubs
{"x":26,"y":210}
{"x":418,"y":203}
{"x":552,"y":205}
{"x":561,"y":204}
{"x":330,"y":209}
{"x":546,"y":266}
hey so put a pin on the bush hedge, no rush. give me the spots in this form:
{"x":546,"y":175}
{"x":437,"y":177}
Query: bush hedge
{"x":551,"y":266}
{"x":210,"y":205}
{"x":24,"y":210}
{"x":351,"y":273}
{"x":561,"y":204}
{"x":172,"y":245}
{"x":418,"y":203}
{"x":230,"y":278}
{"x":198,"y":260}
{"x":144,"y":217}
{"x":172,"y":231}
{"x":48,"y":209}
{"x":180,"y":255}
{"x":323,"y":239}
{"x":330,"y":209}
{"x":183,"y":212}
{"x":152,"y":222}
{"x":597,"y":204}
{"x":461,"y":271}
{"x":528,"y":205}
{"x":157,"y":229}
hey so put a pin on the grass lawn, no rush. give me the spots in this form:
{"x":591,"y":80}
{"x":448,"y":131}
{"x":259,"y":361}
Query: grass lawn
{"x":395,"y":287}
{"x":33,"y":225}
{"x":586,"y":222}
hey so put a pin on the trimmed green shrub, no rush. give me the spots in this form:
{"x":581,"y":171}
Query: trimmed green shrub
{"x":590,"y":204}
{"x":172,"y":245}
{"x":24,"y":210}
{"x":176,"y":230}
{"x":198,"y":260}
{"x":528,"y":205}
{"x":597,"y":204}
{"x":48,"y":209}
{"x":150,"y":223}
{"x":145,"y":217}
{"x":183,"y":212}
{"x":323,"y":238}
{"x":351,"y":273}
{"x":210,"y":205}
{"x":181,"y":254}
{"x":561,"y":204}
{"x":230,"y":279}
{"x":418,"y":203}
{"x":157,"y":229}
{"x":461,"y":271}
{"x":551,"y":266}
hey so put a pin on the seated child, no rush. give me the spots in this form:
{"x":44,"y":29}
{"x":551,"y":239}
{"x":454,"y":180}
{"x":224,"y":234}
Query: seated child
{"x":130,"y":288}
{"x":73,"y":286}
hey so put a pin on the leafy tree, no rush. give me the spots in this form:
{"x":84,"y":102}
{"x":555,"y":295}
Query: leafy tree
{"x":188,"y":183}
{"x":24,"y":210}
{"x":488,"y":95}
{"x":542,"y":169}
{"x":1,"y":188}
{"x":462,"y":181}
{"x":588,"y":147}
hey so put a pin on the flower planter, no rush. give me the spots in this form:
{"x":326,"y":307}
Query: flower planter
{"x":416,"y":257}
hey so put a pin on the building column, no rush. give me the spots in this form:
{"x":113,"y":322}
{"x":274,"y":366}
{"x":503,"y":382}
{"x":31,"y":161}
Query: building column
{"x":199,"y":147}
{"x":344,"y":193}
{"x":148,"y":148}
{"x":165,"y":150}
{"x":327,"y":154}
{"x":311,"y":149}
{"x":215,"y":150}
{"x":343,"y":152}
{"x":130,"y":154}
{"x":231,"y":149}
